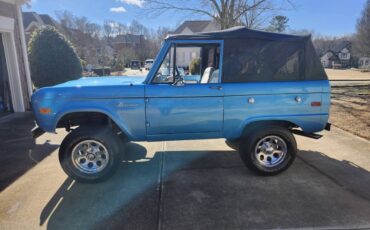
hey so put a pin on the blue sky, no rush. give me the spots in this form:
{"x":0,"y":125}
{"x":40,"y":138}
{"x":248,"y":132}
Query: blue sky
{"x":325,"y":17}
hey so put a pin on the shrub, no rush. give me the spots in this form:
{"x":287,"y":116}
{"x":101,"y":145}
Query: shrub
{"x":52,"y":58}
{"x":194,"y":67}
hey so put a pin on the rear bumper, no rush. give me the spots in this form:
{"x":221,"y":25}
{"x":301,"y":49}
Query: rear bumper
{"x":37,"y":132}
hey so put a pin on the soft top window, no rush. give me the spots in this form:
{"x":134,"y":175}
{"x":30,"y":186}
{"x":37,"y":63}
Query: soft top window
{"x":259,"y":60}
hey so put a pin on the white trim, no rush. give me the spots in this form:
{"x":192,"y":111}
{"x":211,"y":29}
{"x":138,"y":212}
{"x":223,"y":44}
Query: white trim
{"x":24,"y":52}
{"x":13,"y":72}
{"x":33,"y":23}
{"x":8,"y":1}
{"x":7,"y":33}
{"x":19,"y":2}
{"x":6,"y":24}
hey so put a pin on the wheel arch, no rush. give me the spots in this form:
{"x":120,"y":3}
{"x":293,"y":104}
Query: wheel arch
{"x":254,"y":124}
{"x":72,"y":118}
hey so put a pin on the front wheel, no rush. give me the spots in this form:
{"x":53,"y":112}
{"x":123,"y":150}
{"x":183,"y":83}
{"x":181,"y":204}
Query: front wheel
{"x":90,"y":154}
{"x":268,"y":150}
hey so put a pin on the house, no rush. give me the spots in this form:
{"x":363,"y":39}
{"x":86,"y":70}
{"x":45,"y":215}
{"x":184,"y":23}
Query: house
{"x":123,"y":41}
{"x":15,"y":80}
{"x":197,"y":26}
{"x":183,"y":56}
{"x":364,"y":63}
{"x":339,"y":56}
{"x":330,"y":59}
{"x":33,"y":21}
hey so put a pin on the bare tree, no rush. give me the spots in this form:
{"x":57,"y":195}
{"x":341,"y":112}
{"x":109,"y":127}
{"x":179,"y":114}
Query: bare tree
{"x":138,"y":28}
{"x":227,"y":13}
{"x":109,"y":29}
{"x":84,"y":35}
{"x":362,"y":38}
{"x":256,"y":17}
{"x":121,"y":29}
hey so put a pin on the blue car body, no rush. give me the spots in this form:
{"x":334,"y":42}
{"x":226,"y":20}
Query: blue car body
{"x":154,"y":112}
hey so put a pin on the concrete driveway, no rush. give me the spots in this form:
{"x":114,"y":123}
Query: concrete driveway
{"x":196,"y":185}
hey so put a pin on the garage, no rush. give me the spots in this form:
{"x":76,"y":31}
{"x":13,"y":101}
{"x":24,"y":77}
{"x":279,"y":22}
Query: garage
{"x":15,"y":81}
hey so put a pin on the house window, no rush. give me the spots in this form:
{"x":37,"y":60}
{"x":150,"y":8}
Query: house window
{"x":366,"y":62}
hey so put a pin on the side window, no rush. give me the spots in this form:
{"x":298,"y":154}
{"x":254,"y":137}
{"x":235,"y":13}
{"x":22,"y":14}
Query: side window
{"x":190,"y":64}
{"x":262,"y":61}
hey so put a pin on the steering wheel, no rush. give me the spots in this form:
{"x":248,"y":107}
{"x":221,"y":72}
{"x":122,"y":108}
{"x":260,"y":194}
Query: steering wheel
{"x":178,"y":79}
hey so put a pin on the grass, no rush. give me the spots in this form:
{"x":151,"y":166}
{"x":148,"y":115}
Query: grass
{"x":350,"y":109}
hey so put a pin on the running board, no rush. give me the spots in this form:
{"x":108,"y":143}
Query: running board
{"x":310,"y":135}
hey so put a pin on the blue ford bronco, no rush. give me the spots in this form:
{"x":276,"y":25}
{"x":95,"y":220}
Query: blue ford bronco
{"x":253,"y":88}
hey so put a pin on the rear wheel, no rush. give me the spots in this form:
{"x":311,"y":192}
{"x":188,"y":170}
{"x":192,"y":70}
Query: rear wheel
{"x":268,"y":150}
{"x":90,"y":154}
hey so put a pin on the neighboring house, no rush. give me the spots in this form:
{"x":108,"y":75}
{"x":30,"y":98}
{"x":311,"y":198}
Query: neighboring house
{"x":124,"y":41}
{"x":338,"y":57}
{"x":15,"y":80}
{"x":364,"y":63}
{"x":190,"y":27}
{"x":330,"y":59}
{"x":184,"y":56}
{"x":33,"y":21}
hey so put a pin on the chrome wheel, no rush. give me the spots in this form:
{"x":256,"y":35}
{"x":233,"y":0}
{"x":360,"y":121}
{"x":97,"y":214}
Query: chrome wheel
{"x":270,"y":151}
{"x":90,"y":156}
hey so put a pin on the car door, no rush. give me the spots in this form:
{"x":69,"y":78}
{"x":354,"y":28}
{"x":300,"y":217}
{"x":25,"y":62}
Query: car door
{"x":186,"y":109}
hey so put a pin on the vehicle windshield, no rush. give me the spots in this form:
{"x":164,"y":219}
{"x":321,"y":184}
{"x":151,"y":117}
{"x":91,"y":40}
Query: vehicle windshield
{"x":168,"y":71}
{"x":190,"y":64}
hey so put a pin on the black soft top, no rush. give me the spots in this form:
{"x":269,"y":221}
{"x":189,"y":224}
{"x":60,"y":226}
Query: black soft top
{"x":238,"y":32}
{"x":253,"y":56}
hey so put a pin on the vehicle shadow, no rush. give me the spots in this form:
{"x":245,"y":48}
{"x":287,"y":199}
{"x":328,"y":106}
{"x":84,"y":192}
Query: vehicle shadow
{"x":213,"y":190}
{"x":18,"y":150}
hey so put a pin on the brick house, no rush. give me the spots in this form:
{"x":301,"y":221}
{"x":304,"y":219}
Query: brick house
{"x":124,"y":41}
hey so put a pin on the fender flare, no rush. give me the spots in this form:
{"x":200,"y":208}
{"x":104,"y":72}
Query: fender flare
{"x":251,"y":124}
{"x":111,"y":116}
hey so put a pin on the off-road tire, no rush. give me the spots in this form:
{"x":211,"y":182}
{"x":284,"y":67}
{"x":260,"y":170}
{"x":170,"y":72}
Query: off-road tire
{"x":248,"y":145}
{"x":101,"y":134}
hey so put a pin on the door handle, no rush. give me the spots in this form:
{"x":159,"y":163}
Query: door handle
{"x":218,"y":87}
{"x":298,"y":99}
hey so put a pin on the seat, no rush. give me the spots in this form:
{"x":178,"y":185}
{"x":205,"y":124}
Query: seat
{"x":206,"y":75}
{"x":214,"y":77}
